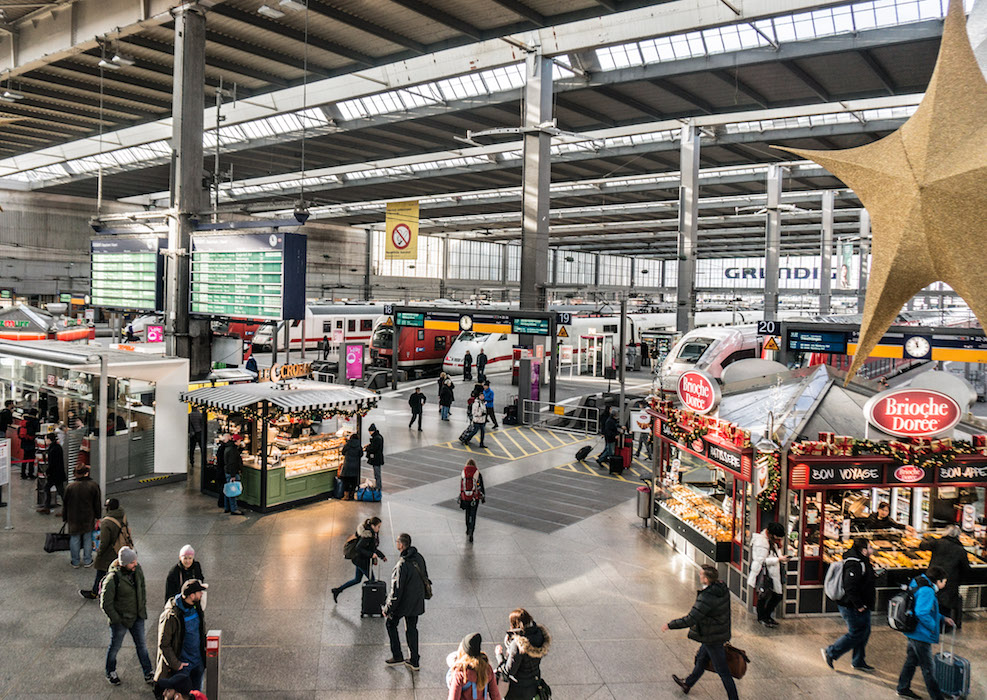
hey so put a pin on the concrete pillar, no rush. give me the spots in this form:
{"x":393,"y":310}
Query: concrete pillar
{"x":685,"y":298}
{"x":772,"y":242}
{"x":535,"y":182}
{"x":368,"y":262}
{"x":826,"y":254}
{"x":633,"y":271}
{"x":443,"y":267}
{"x":185,"y":338}
{"x":864,"y":259}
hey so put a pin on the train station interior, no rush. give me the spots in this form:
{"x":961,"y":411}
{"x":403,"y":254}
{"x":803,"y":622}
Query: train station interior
{"x":692,"y":284}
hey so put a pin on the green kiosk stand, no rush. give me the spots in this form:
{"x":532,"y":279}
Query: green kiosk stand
{"x":293,"y":433}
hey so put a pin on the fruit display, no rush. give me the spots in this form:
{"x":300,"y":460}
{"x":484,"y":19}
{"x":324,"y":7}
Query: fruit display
{"x":701,"y":512}
{"x":895,"y":551}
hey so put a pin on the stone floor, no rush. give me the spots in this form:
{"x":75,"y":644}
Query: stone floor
{"x":603,"y":585}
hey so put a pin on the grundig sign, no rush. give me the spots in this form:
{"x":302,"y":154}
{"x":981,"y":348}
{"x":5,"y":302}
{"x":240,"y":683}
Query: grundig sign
{"x":698,"y":392}
{"x":913,"y":412}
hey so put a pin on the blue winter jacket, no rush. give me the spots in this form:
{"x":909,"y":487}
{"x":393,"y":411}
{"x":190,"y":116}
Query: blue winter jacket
{"x":926,"y":610}
{"x":488,"y":397}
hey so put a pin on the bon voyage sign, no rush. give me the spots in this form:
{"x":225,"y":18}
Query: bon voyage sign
{"x":698,"y":391}
{"x":913,"y":412}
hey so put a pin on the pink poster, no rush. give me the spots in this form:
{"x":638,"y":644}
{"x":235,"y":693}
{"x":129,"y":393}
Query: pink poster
{"x":354,"y":361}
{"x":155,"y":334}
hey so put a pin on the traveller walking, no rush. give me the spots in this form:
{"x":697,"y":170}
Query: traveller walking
{"x":446,"y":397}
{"x":478,"y":417}
{"x":186,"y":569}
{"x":80,"y":511}
{"x":324,"y":347}
{"x":54,"y":472}
{"x":949,"y":555}
{"x":611,"y":429}
{"x":441,"y":382}
{"x":470,"y":673}
{"x":182,"y":638}
{"x":363,"y":549}
{"x":709,"y":624}
{"x":232,"y":467}
{"x":926,"y":633}
{"x":6,"y":417}
{"x":481,"y":366}
{"x":124,"y":601}
{"x":644,"y":440}
{"x":519,"y":660}
{"x":417,"y":401}
{"x":196,"y":426}
{"x":114,"y":534}
{"x":471,"y":494}
{"x":765,"y":556}
{"x":409,"y":589}
{"x":28,"y":434}
{"x":375,"y":453}
{"x":350,"y":472}
{"x":467,"y":367}
{"x":219,"y":460}
{"x":488,"y":399}
{"x":855,"y":606}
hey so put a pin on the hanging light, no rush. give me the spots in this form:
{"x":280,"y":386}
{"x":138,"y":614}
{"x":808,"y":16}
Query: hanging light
{"x":123,"y":60}
{"x":293,"y":5}
{"x":270,"y":12}
{"x":109,"y":65}
{"x":11,"y":95}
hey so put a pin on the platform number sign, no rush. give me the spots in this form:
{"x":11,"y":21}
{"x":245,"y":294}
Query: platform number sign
{"x":768,"y":328}
{"x":563,"y":318}
{"x":388,"y":309}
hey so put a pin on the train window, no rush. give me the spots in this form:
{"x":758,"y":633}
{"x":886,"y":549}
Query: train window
{"x":739,"y":355}
{"x":421,"y":335}
{"x":440,"y":342}
{"x":366,"y":324}
{"x":610,"y":328}
{"x":351,"y":325}
{"x":339,"y":324}
{"x":693,"y":350}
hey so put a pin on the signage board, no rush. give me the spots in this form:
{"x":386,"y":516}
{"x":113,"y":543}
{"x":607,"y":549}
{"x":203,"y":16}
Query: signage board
{"x":563,"y":318}
{"x":155,"y":334}
{"x":90,"y":315}
{"x":4,"y":461}
{"x":768,"y":327}
{"x":816,"y":341}
{"x":282,"y":372}
{"x":401,"y":241}
{"x":913,"y":412}
{"x":850,"y":474}
{"x":11,"y":323}
{"x":565,"y":354}
{"x":249,"y":275}
{"x":65,"y":298}
{"x":127,"y":273}
{"x":911,"y":475}
{"x":353,"y":357}
{"x":530,"y":326}
{"x":640,"y":422}
{"x":6,"y":294}
{"x":958,"y":473}
{"x":698,"y":391}
{"x":724,"y":457}
{"x":411,"y":320}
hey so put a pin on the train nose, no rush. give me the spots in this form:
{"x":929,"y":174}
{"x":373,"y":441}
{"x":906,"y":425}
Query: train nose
{"x":452,"y":365}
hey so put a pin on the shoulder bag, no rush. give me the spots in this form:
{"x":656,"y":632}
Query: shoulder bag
{"x":57,"y":541}
{"x":737,"y":660}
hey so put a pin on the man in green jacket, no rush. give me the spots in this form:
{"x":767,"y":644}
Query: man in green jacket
{"x":124,"y":600}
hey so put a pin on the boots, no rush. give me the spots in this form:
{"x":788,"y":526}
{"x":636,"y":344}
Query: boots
{"x":347,"y":495}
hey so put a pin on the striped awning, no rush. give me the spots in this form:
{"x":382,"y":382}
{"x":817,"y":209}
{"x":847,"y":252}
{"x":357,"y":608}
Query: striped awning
{"x":291,"y":397}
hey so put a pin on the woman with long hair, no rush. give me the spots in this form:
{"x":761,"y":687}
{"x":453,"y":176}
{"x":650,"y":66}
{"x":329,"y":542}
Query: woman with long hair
{"x":363,"y":549}
{"x":519,"y":660}
{"x":471,"y":494}
{"x":470,"y":675}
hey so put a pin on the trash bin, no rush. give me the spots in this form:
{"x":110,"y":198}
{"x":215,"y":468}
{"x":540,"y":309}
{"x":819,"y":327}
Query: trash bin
{"x":644,"y":502}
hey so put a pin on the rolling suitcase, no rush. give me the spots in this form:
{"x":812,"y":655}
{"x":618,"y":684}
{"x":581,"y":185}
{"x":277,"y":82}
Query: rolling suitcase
{"x":583,"y":452}
{"x":952,"y":672}
{"x":465,"y":437}
{"x":374,"y":596}
{"x":616,"y":464}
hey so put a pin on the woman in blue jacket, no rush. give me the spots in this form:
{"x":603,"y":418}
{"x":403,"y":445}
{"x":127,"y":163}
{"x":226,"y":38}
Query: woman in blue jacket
{"x":926,"y":634}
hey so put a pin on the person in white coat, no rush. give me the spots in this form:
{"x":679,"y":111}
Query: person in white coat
{"x":766,"y":553}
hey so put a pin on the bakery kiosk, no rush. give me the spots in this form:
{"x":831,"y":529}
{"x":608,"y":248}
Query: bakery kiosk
{"x":293,"y":433}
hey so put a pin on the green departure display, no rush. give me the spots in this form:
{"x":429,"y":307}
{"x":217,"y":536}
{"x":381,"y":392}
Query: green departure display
{"x":126,"y":273}
{"x":237,"y":281}
{"x":529,"y":326}
{"x":412,"y":320}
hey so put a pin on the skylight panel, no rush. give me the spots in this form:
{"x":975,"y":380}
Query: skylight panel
{"x":462,"y":86}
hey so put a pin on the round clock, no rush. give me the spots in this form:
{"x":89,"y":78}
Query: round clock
{"x":917,"y":346}
{"x":465,"y":323}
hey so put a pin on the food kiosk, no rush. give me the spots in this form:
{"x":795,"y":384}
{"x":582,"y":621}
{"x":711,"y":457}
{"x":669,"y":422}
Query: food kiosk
{"x":293,"y":433}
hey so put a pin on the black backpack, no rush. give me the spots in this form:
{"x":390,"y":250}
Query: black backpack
{"x":349,"y":549}
{"x":901,"y":608}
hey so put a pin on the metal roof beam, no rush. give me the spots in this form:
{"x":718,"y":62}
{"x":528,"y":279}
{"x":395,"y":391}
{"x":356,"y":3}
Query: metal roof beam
{"x":111,"y":78}
{"x":363,"y":25}
{"x":683,"y":94}
{"x":261,"y":52}
{"x":878,"y":70}
{"x":519,"y":8}
{"x":810,"y":82}
{"x":733,"y":80}
{"x":629,"y":101}
{"x":443,"y":18}
{"x":76,"y":86}
{"x":575,"y":107}
{"x":216,"y":63}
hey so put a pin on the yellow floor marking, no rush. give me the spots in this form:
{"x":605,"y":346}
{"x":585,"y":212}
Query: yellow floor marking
{"x":588,"y":470}
{"x":539,"y":449}
{"x":549,"y":445}
{"x":523,"y":451}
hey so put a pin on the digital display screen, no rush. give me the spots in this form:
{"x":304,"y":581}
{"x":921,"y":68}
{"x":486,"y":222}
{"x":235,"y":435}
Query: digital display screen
{"x":816,"y":341}
{"x":530,"y":326}
{"x":412,"y":320}
{"x":127,"y":273}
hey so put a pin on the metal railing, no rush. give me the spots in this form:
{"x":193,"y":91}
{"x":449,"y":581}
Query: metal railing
{"x":557,"y":416}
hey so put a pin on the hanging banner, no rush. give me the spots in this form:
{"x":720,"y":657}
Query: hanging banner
{"x":401,"y":241}
{"x":846,"y":258}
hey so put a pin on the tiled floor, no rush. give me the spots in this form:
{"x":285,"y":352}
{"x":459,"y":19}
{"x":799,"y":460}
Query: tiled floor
{"x":603,"y":586}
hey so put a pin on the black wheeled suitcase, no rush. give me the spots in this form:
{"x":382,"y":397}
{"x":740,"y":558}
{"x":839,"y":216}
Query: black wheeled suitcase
{"x":466,"y":437}
{"x":583,"y":452}
{"x":951,"y":671}
{"x":616,"y":464}
{"x":374,"y":597}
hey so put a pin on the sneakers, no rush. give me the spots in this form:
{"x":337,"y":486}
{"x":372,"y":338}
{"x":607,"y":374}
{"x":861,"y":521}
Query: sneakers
{"x":87,"y":594}
{"x":682,"y":684}
{"x":89,"y":565}
{"x":867,"y":668}
{"x":113,"y":678}
{"x":237,"y":512}
{"x":826,"y":657}
{"x":149,"y":678}
{"x":394,"y":662}
{"x":76,"y":566}
{"x":770,"y":624}
{"x":413,"y":665}
{"x":909,"y":693}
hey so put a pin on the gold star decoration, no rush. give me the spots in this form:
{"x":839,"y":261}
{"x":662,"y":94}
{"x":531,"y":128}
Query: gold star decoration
{"x":925,"y":187}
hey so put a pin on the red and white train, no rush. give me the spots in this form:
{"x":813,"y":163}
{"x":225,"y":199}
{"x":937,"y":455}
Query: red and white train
{"x":418,"y":348}
{"x":338,"y":322}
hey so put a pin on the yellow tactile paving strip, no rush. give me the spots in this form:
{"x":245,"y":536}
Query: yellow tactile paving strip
{"x":517,"y":442}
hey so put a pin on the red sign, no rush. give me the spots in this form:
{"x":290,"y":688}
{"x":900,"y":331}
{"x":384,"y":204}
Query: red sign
{"x":401,"y":236}
{"x":698,"y":392}
{"x":909,"y":474}
{"x":913,"y":412}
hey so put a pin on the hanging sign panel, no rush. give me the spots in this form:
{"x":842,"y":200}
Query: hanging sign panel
{"x":401,"y":241}
{"x":127,"y":273}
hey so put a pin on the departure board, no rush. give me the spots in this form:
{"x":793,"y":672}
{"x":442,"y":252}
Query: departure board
{"x":127,"y":273}
{"x":254,"y":275}
{"x":529,"y":326}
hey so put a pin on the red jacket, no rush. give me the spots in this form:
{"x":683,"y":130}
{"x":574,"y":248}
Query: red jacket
{"x":478,"y":492}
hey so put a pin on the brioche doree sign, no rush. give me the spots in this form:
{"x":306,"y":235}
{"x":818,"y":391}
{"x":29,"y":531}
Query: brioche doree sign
{"x":698,"y":392}
{"x":913,"y":412}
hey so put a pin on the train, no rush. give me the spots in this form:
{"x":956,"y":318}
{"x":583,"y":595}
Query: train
{"x":337,"y":322}
{"x":418,"y":348}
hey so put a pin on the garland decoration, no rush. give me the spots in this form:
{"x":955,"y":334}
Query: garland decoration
{"x":768,"y":497}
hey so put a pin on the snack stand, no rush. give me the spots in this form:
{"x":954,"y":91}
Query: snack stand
{"x":293,"y":434}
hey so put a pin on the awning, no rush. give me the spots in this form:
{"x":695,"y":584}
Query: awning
{"x":290,"y":397}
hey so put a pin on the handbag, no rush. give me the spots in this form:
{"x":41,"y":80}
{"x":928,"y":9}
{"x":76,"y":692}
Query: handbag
{"x":544,"y":691}
{"x":763,"y":585}
{"x":232,"y":489}
{"x":369,"y":495}
{"x":57,"y":541}
{"x":737,"y":660}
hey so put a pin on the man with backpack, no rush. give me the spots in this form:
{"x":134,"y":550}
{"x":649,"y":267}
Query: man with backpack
{"x":410,"y":588}
{"x":124,"y":600}
{"x":927,"y":620}
{"x":114,"y":535}
{"x":471,"y":493}
{"x":856,"y":583}
{"x":611,"y":429}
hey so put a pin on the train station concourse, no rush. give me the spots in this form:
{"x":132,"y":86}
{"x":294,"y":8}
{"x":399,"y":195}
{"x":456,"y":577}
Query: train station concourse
{"x":481,"y":349}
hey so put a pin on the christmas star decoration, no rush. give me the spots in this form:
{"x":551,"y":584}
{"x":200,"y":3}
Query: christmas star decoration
{"x":925,"y":187}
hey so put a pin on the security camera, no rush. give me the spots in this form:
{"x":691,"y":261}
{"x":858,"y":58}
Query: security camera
{"x":301,"y":212}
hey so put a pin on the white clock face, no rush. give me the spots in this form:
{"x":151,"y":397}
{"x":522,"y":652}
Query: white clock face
{"x":465,"y":322}
{"x":917,"y":346}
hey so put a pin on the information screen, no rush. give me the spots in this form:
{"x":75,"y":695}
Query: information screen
{"x":247,"y":275}
{"x":530,"y":326}
{"x":816,"y":341}
{"x":127,"y":273}
{"x":412,"y":320}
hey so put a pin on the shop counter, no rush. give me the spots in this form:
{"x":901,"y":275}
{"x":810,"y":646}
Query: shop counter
{"x":671,"y":525}
{"x":283,"y":490}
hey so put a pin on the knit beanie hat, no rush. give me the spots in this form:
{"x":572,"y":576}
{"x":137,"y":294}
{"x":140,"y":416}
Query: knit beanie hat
{"x":471,"y":644}
{"x":127,"y":556}
{"x":186,"y":551}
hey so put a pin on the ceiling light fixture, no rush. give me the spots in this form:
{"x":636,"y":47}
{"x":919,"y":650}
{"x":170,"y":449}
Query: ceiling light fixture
{"x":109,"y":65}
{"x":270,"y":12}
{"x":294,"y":5}
{"x":11,"y":95}
{"x":123,"y":60}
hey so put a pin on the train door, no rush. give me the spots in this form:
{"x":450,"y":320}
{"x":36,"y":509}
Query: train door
{"x":593,"y":353}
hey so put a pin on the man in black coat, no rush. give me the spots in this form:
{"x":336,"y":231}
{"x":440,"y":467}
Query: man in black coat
{"x":416,"y":401}
{"x":375,"y":452}
{"x":232,"y":466}
{"x":709,"y":624}
{"x":6,"y":417}
{"x":407,"y":600}
{"x":856,"y":605}
{"x":467,"y":367}
{"x":611,"y":429}
{"x":950,"y":555}
{"x":30,"y":433}
{"x":55,"y":472}
{"x":481,"y":366}
{"x":349,"y":474}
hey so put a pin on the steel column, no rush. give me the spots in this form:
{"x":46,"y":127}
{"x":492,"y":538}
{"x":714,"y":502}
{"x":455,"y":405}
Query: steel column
{"x":369,"y":266}
{"x":864,"y":259}
{"x":826,"y":254}
{"x":772,"y":242}
{"x":536,"y":181}
{"x":685,"y":298}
